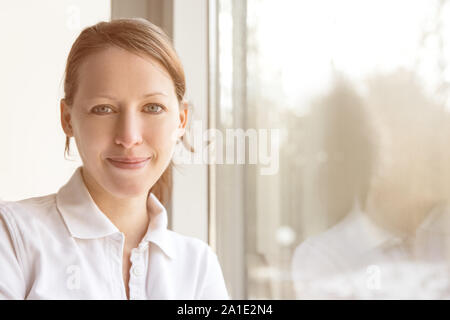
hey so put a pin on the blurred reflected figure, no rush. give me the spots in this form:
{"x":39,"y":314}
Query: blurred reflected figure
{"x":392,"y":240}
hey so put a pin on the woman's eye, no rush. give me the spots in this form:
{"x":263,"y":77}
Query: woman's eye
{"x":154,"y":108}
{"x":102,"y":109}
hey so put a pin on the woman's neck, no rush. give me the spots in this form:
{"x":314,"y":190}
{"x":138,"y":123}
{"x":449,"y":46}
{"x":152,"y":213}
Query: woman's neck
{"x":129,"y":215}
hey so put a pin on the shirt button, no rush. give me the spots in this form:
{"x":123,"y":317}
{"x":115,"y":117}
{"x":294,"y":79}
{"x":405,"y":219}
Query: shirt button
{"x":136,"y":257}
{"x":138,"y":271}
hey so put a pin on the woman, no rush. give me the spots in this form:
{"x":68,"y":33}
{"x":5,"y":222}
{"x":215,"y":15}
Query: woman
{"x":104,"y":234}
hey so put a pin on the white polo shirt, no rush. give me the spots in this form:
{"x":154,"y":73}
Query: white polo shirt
{"x":61,"y":246}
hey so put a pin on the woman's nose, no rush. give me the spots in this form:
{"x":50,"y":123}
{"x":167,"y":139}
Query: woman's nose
{"x":128,"y":131}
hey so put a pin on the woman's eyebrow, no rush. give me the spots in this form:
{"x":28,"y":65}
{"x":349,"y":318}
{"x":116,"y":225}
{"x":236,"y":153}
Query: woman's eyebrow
{"x":160,"y":93}
{"x":107,"y":96}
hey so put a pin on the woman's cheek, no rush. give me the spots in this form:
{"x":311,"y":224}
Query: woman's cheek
{"x":162,"y":133}
{"x":93,"y":138}
{"x":160,"y":141}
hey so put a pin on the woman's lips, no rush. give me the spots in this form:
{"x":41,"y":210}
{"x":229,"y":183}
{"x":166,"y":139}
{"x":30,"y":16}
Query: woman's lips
{"x":135,"y":163}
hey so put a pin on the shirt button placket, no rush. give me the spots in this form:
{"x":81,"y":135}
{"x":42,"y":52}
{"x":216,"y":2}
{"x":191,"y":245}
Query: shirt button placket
{"x":137,"y":275}
{"x":116,"y":251}
{"x":138,"y":271}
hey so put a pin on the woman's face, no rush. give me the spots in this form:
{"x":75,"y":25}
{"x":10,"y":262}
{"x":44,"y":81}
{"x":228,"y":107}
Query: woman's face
{"x":125,"y":106}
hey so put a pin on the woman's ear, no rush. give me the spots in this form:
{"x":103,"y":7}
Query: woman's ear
{"x":66,"y":118}
{"x":184,"y":113}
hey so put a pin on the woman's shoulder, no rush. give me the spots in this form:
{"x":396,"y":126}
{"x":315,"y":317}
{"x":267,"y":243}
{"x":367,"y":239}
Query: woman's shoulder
{"x":198,"y":260}
{"x":28,"y":210}
{"x":187,"y":241}
{"x":24,"y":222}
{"x":190,"y":246}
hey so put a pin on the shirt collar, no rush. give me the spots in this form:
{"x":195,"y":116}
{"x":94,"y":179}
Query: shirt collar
{"x":85,"y":220}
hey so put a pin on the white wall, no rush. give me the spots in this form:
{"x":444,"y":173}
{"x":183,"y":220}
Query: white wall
{"x":36,"y":39}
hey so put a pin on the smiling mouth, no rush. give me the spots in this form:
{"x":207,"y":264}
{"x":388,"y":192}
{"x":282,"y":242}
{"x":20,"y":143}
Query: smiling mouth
{"x":135,"y":163}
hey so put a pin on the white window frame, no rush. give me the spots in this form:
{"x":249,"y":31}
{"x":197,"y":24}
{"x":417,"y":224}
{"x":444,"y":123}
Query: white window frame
{"x":190,"y":37}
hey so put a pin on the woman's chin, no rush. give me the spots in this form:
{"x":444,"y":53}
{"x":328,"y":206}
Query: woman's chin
{"x":128,"y":188}
{"x":129,"y":183}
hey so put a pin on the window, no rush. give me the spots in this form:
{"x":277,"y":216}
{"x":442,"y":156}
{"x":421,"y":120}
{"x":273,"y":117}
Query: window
{"x":353,"y":99}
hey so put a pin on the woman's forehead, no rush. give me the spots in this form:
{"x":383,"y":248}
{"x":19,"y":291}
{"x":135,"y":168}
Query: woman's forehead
{"x":115,"y":70}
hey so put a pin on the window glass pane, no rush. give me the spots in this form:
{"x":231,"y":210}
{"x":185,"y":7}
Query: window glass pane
{"x":344,"y":105}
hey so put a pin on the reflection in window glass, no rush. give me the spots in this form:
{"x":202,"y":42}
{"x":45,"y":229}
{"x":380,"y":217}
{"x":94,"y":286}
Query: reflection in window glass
{"x":357,"y":208}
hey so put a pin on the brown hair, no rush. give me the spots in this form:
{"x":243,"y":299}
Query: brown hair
{"x":140,"y":37}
